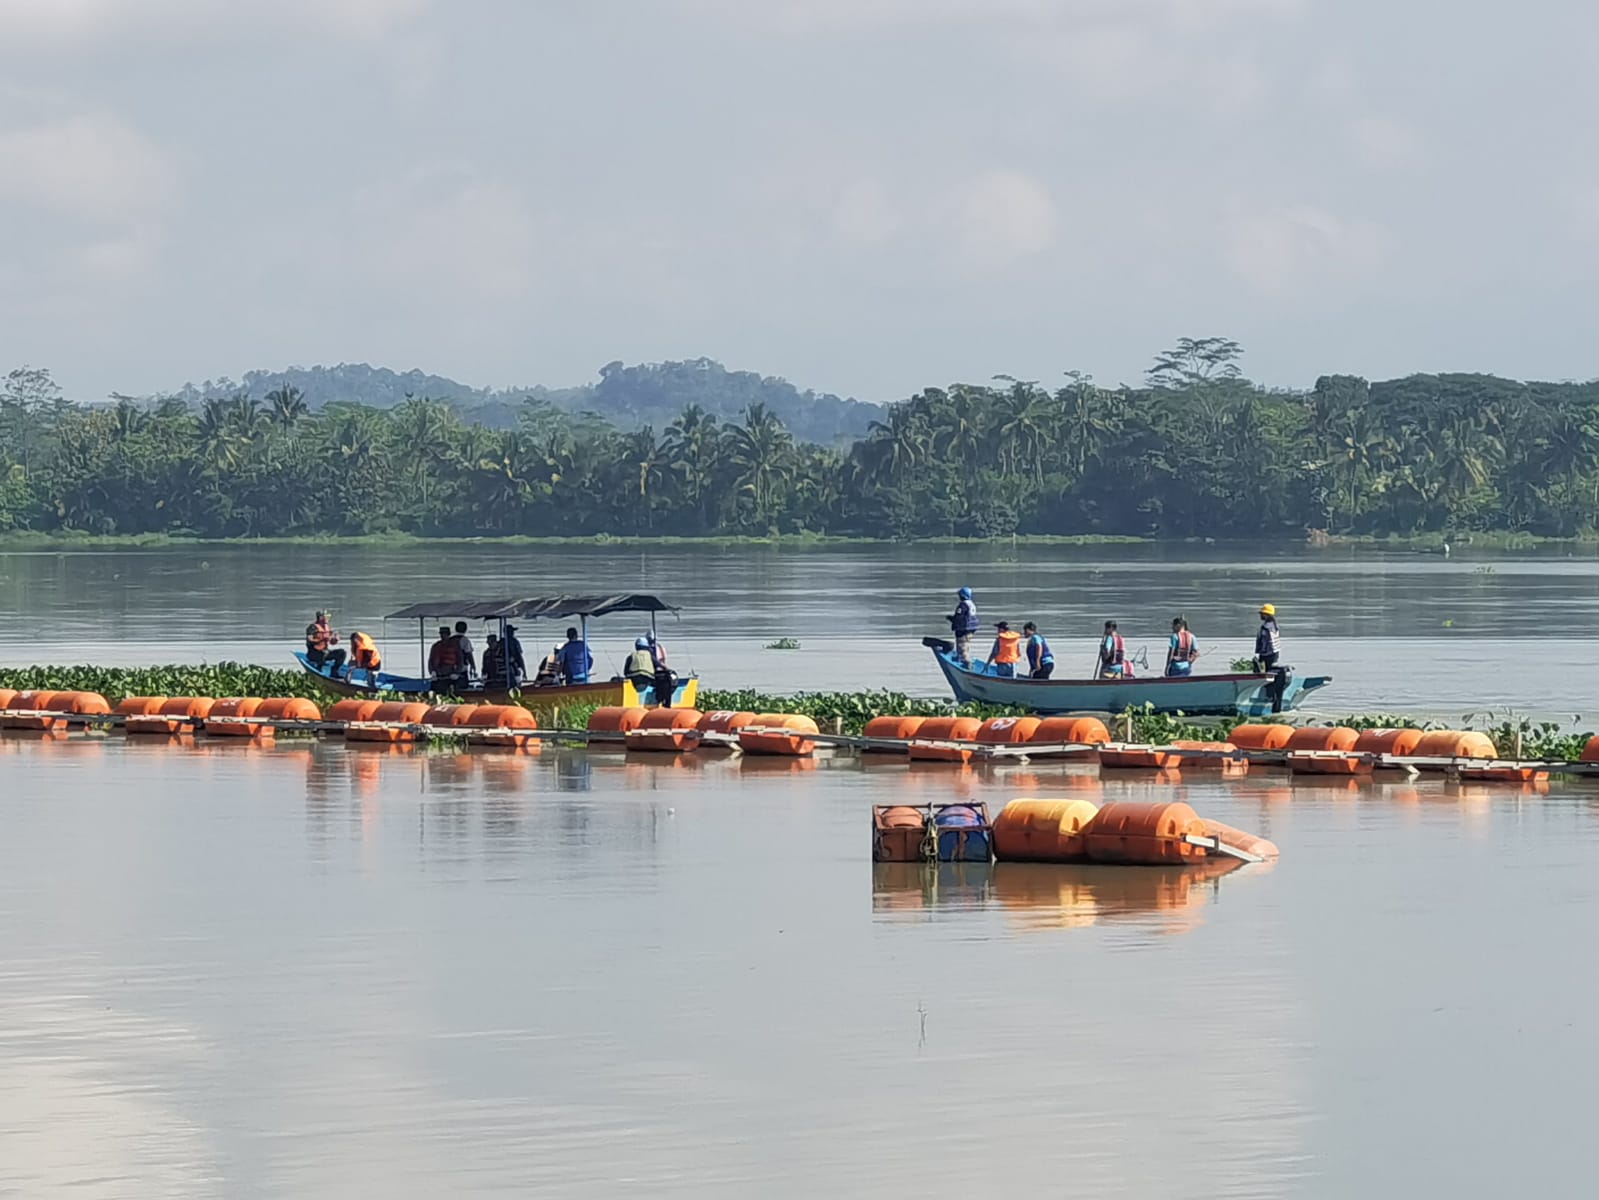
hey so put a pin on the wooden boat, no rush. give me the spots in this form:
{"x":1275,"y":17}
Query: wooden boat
{"x":541,"y":698}
{"x":1246,"y":695}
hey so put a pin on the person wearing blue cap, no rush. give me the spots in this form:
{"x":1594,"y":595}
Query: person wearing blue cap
{"x":964,"y":622}
{"x":640,"y":667}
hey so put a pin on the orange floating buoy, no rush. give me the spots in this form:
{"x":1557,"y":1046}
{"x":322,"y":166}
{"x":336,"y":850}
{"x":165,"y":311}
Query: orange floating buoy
{"x":1217,"y":756}
{"x":669,"y":729}
{"x":1388,"y":741}
{"x":27,"y":701}
{"x":787,"y":736}
{"x":960,"y":730}
{"x":615,"y":720}
{"x":390,"y":721}
{"x":1127,"y":831}
{"x":1070,"y":731}
{"x":136,"y":706}
{"x":898,"y":729}
{"x":724,"y":721}
{"x":1339,"y":738}
{"x":1319,"y":762}
{"x":229,"y":718}
{"x":176,"y":715}
{"x":490,"y":719}
{"x":1590,"y":749}
{"x":1238,"y":839}
{"x":81,"y":704}
{"x":6,"y":696}
{"x":1032,"y":830}
{"x":289,"y":708}
{"x":448,"y":716}
{"x":1504,"y":774}
{"x":1007,"y":731}
{"x":898,"y":831}
{"x":1452,"y":743}
{"x":1261,"y":737}
{"x":353,"y":709}
{"x":1138,"y":758}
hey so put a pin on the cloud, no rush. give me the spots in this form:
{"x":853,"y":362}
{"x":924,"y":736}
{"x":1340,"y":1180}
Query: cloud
{"x":828,"y":16}
{"x":1301,"y":246}
{"x":475,"y":236}
{"x":1003,"y":215}
{"x":1380,"y":141}
{"x":71,"y":22}
{"x":94,"y":167}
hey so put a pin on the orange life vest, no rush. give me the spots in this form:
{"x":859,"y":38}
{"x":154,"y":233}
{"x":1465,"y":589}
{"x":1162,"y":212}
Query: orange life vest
{"x":1008,"y":647}
{"x":364,"y":652}
{"x":445,"y":657}
{"x":1185,"y":647}
{"x":318,"y":636}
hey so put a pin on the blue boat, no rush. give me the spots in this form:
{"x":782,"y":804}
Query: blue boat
{"x":1243,"y":695}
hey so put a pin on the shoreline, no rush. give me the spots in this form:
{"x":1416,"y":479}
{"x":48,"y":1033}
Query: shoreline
{"x":1500,"y":542}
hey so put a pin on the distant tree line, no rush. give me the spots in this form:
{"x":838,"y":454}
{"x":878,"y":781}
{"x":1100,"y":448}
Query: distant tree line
{"x":1197,"y":451}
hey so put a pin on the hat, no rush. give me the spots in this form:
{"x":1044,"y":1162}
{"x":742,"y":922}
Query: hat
{"x":1002,"y":625}
{"x":1028,"y":626}
{"x":510,"y":629}
{"x":641,"y":643}
{"x":1268,"y":610}
{"x":965,"y":593}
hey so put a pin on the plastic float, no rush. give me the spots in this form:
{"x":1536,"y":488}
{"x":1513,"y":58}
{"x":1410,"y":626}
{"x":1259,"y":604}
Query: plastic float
{"x":448,"y":716}
{"x":667,"y":729}
{"x":503,"y":725}
{"x":176,"y":715}
{"x":1397,"y":742}
{"x":945,"y":739}
{"x":779,"y":734}
{"x":1028,"y":830}
{"x":1008,"y":731}
{"x":612,"y":723}
{"x":1442,"y":746}
{"x":719,"y":730}
{"x":389,"y":722}
{"x":1123,"y":756}
{"x":1067,"y":737}
{"x":1326,"y":750}
{"x":230,"y":718}
{"x":932,"y":832}
{"x":51,"y":711}
{"x":1261,"y":737}
{"x":1213,"y":756}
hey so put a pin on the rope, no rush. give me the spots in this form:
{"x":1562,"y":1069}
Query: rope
{"x":930,"y":838}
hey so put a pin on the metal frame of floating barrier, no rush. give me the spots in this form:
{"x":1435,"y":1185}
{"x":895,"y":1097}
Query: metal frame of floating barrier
{"x":1216,"y":846}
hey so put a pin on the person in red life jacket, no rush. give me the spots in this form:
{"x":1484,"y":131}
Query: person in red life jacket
{"x":1112,"y":654}
{"x":445,"y":665}
{"x":319,"y":642}
{"x":1040,"y":658}
{"x":1183,"y":650}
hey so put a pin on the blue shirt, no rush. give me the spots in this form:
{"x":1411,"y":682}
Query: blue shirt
{"x":1038,"y":652}
{"x":576,"y":661}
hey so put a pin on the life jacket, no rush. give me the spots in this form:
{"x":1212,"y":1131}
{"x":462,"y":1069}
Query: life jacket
{"x":964,"y":618}
{"x":1270,"y":639}
{"x":1118,"y":654}
{"x":364,"y":652}
{"x":1187,"y":651}
{"x":445,"y":657}
{"x":1038,"y":651}
{"x":318,"y":636}
{"x":1008,"y":647}
{"x":640,"y":662}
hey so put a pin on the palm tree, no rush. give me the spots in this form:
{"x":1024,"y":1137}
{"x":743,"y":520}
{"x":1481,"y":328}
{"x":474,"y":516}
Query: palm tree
{"x":287,"y":407}
{"x":762,"y":450}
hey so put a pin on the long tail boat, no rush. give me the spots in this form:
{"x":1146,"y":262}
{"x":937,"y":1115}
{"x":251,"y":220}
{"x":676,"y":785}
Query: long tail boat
{"x":1234,"y":694}
{"x":541,"y":698}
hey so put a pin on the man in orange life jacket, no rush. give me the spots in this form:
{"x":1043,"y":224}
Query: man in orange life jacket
{"x":1183,"y":650}
{"x":364,"y":656}
{"x":445,"y":664}
{"x":319,"y":642}
{"x":1112,"y":654}
{"x":1007,"y":651}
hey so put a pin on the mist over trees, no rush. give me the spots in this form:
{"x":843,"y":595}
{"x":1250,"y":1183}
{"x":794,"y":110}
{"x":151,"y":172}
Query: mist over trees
{"x":1198,"y":450}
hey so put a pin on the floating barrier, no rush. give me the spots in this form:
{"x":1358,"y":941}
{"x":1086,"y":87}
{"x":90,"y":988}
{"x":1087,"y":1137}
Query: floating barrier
{"x":892,"y":729}
{"x":176,"y":715}
{"x":1503,"y":773}
{"x":231,"y":718}
{"x":720,"y":729}
{"x":945,"y":739}
{"x":1213,"y":756}
{"x":1450,"y":744}
{"x":1239,"y":840}
{"x":667,"y":729}
{"x":1261,"y":737}
{"x":898,"y":832}
{"x":615,"y":721}
{"x":448,"y":716}
{"x":779,"y":733}
{"x":932,"y":833}
{"x":391,"y":721}
{"x":1400,"y":742}
{"x":53,"y":711}
{"x":1128,"y":832}
{"x":1028,"y":830}
{"x":964,"y":832}
{"x":135,"y":706}
{"x":1082,"y":733}
{"x":1120,"y":756}
{"x":1008,"y":731}
{"x":352,"y":710}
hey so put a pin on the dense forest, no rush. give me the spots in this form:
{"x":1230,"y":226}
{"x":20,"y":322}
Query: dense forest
{"x":628,"y":397}
{"x":1198,"y":450}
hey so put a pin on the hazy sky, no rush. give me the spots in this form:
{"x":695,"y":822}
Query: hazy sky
{"x":866,"y":196}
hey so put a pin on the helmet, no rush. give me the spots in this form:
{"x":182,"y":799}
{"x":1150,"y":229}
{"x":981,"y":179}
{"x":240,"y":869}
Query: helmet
{"x":641,"y":643}
{"x":965,"y":593}
{"x":1268,"y":610}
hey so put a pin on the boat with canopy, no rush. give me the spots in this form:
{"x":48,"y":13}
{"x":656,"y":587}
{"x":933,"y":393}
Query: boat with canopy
{"x":499,"y":614}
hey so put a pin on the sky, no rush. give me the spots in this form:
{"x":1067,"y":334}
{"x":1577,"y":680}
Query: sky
{"x":864,"y":196}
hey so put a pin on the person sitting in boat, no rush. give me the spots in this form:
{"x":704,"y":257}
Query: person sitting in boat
{"x":364,"y":656}
{"x":1113,"y":654}
{"x":1007,"y":651}
{"x":445,"y":665}
{"x":1040,"y":659}
{"x":576,"y":661}
{"x":319,"y":642}
{"x":1268,"y":641}
{"x":1183,"y":650}
{"x":549,"y":672}
{"x":963,"y":621}
{"x":639,"y":670}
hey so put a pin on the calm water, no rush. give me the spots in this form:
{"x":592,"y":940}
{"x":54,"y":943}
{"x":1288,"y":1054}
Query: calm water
{"x":315,"y":971}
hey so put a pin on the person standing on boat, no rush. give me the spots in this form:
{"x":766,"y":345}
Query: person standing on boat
{"x":1183,"y":650}
{"x":1007,"y":651}
{"x":445,"y":666}
{"x":493,"y":663}
{"x":1268,"y":641}
{"x":319,"y":642}
{"x":964,"y":622}
{"x":1040,"y":658}
{"x":576,"y":661}
{"x":516,"y":664}
{"x":1112,"y":654}
{"x":468,"y":652}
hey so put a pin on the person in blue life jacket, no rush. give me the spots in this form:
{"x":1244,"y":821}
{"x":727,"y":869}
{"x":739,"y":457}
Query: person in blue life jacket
{"x":1268,"y":641}
{"x":963,"y":621}
{"x":1182,"y":650}
{"x":1112,"y":654}
{"x":575,"y":659}
{"x":1040,"y":659}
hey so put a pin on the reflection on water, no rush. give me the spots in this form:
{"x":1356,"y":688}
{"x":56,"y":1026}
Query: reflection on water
{"x":330,"y":970}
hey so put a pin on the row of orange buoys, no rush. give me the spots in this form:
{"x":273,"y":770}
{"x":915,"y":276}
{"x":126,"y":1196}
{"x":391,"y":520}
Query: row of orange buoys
{"x":1123,"y":831}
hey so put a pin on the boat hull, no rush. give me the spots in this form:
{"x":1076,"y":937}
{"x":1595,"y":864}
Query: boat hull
{"x":540,"y":699}
{"x":1193,"y":695}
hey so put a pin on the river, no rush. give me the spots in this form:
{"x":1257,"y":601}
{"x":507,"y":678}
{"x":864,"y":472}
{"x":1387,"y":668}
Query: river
{"x":321,"y":971}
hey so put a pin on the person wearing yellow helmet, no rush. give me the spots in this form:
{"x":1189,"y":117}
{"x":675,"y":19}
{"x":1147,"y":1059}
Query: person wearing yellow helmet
{"x":1268,"y":640}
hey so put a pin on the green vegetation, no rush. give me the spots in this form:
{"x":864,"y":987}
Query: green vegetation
{"x":782,"y":643}
{"x":215,"y":679}
{"x":1198,"y":451}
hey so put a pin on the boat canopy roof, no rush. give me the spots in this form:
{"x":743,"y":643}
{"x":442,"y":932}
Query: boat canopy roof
{"x":533,"y":607}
